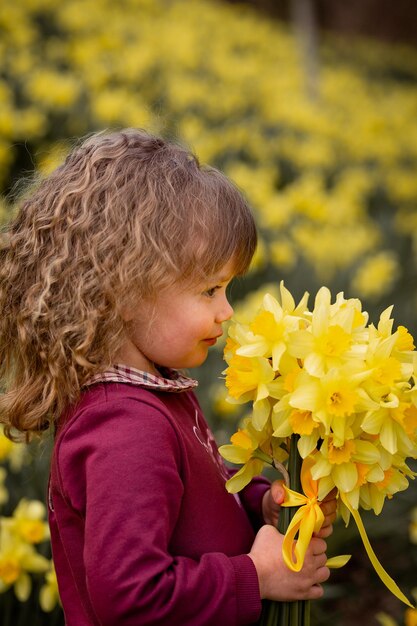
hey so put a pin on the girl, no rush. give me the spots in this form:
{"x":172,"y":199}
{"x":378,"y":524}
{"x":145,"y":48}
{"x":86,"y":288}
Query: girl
{"x":113,"y":278}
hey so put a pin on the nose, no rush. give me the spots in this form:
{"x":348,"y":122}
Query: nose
{"x":224,"y":312}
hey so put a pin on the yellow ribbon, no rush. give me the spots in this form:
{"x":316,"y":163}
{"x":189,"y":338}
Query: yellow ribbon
{"x":306,"y":521}
{"x":383,"y":575}
{"x":309,"y":519}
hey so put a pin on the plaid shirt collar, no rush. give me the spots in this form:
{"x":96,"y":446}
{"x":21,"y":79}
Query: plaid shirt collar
{"x":170,"y":380}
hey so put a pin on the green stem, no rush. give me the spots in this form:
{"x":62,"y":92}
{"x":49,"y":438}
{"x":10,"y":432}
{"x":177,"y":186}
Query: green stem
{"x":288,"y":613}
{"x":7,"y":610}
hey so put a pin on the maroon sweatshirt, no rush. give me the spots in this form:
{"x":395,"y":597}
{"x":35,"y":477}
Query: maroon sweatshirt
{"x":143,"y":530}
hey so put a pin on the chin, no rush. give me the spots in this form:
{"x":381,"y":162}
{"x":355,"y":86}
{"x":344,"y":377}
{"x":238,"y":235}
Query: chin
{"x":192,"y":362}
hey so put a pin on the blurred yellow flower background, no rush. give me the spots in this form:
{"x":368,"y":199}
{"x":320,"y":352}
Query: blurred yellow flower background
{"x":333,"y":180}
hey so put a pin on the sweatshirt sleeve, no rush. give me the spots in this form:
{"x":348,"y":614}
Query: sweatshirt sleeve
{"x":251,"y":497}
{"x":124,"y":476}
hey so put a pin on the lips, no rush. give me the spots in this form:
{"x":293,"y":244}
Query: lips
{"x":212,"y":340}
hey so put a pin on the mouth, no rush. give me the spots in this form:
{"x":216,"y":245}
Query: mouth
{"x":211,"y":341}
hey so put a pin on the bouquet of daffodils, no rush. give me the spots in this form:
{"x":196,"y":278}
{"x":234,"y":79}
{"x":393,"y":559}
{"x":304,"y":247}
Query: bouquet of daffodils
{"x":336,"y":391}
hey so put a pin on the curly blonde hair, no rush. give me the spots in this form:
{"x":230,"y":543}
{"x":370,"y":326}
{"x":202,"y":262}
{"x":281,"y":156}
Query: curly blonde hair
{"x":127,"y":213}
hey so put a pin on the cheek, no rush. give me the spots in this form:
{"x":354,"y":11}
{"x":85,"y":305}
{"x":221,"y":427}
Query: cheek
{"x":140,"y":332}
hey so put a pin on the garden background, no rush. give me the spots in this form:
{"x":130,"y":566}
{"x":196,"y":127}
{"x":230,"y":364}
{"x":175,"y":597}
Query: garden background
{"x":318,"y":129}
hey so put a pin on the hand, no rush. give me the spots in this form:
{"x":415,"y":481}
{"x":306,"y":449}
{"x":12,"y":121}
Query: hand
{"x":276,"y":580}
{"x":328,"y":506}
{"x":271,"y":502}
{"x":274,"y":497}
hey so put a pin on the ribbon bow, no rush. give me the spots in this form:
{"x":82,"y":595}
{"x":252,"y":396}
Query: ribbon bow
{"x":309,"y":519}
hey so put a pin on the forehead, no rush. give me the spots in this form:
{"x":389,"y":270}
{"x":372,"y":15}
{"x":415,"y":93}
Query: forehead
{"x":226,"y":272}
{"x":223,"y":275}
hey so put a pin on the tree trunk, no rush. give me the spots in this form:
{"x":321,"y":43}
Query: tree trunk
{"x":305,"y":26}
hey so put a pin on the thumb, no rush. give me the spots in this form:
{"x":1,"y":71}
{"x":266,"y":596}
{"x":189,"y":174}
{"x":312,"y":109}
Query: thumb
{"x":277,"y":491}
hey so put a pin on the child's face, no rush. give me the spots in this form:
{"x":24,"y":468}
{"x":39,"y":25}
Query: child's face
{"x":176,"y":328}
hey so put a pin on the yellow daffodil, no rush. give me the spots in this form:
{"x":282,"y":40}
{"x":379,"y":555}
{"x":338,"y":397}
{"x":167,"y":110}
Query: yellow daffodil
{"x":410,"y":617}
{"x":17,"y":559}
{"x":345,"y":466}
{"x":327,"y":341}
{"x":13,"y":453}
{"x":49,"y":593}
{"x":376,"y":275}
{"x":347,"y":391}
{"x":271,"y":326}
{"x":405,"y":341}
{"x":249,"y":447}
{"x":6,"y":446}
{"x":393,"y":421}
{"x":373,"y":494}
{"x":230,"y":347}
{"x":385,"y":323}
{"x":387,"y":363}
{"x":286,"y":421}
{"x":331,"y":399}
{"x":253,"y":379}
{"x":28,"y":521}
{"x":247,"y":378}
{"x":226,"y":409}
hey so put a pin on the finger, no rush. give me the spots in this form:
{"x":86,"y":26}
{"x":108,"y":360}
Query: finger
{"x":277,"y":491}
{"x":329,"y":507}
{"x":317,"y":546}
{"x":325,"y":531}
{"x":322,"y":574}
{"x":315,"y":592}
{"x":320,"y":561}
{"x":329,"y":519}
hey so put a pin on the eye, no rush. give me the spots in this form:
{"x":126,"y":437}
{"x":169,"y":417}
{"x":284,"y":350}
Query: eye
{"x":211,"y":292}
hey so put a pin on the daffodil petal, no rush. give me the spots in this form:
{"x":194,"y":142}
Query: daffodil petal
{"x":314,"y":364}
{"x":345,"y":476}
{"x":235,"y":454}
{"x":244,"y":475}
{"x":306,"y":444}
{"x":353,"y":498}
{"x":277,"y":352}
{"x":23,"y":587}
{"x":388,"y":437}
{"x":325,"y":485}
{"x":366,"y":452}
{"x":261,"y":411}
{"x":287,"y":300}
{"x":336,"y":562}
{"x":254,"y":349}
{"x":305,"y":397}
